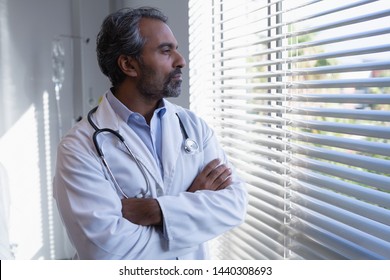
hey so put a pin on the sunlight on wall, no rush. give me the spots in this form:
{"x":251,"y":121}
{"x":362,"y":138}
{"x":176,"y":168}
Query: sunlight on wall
{"x":20,"y":156}
{"x":5,"y":252}
{"x":49,"y":191}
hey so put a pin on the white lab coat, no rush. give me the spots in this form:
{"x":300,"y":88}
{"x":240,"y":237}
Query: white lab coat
{"x":90,"y":206}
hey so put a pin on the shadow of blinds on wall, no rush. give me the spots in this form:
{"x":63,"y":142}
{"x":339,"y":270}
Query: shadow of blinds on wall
{"x":298,"y":93}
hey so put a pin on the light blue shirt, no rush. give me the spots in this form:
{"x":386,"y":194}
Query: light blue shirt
{"x":150,"y":135}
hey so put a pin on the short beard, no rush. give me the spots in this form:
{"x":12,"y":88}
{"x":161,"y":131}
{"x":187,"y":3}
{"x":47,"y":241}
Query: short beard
{"x":172,"y":88}
{"x":151,"y":91}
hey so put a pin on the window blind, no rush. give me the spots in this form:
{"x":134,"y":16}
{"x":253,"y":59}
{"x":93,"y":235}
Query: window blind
{"x":298,"y":93}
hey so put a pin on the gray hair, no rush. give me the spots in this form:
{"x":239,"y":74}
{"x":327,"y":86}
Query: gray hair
{"x":120,"y":35}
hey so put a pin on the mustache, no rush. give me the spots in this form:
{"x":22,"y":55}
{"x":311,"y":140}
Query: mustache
{"x":175,"y":72}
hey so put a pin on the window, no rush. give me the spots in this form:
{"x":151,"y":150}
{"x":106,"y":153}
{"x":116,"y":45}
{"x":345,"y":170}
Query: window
{"x":298,"y":93}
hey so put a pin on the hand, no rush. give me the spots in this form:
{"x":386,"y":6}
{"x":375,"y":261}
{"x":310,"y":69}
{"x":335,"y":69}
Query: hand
{"x":142,"y":211}
{"x":213,"y":177}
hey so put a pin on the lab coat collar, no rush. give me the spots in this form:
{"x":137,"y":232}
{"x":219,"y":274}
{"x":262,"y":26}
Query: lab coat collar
{"x":105,"y":116}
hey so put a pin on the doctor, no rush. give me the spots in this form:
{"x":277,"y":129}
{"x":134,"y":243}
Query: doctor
{"x":153,"y":195}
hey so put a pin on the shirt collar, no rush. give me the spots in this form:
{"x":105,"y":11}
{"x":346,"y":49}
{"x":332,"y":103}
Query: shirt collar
{"x":124,"y":113}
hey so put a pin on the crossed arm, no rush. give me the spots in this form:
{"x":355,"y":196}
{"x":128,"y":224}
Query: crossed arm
{"x":147,"y":211}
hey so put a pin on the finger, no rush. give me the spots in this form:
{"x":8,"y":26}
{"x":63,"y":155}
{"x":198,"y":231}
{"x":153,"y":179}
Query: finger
{"x":225,"y":184}
{"x":222,"y":177}
{"x":217,"y":172}
{"x":210,"y":167}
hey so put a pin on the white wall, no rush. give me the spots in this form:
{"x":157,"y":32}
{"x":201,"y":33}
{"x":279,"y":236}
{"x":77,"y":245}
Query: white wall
{"x":89,"y":82}
{"x":28,"y":114}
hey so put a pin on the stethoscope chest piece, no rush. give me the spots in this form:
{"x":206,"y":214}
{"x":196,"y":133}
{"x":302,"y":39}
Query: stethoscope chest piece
{"x":190,"y":146}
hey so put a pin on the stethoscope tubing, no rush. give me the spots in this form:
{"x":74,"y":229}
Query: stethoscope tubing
{"x":103,"y":159}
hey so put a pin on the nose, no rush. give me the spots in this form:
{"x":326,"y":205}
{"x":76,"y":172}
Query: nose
{"x":180,"y":62}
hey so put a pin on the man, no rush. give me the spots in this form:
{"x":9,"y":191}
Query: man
{"x":154,"y":200}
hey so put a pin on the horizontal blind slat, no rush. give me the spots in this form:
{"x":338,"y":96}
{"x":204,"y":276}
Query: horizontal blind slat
{"x":370,"y":195}
{"x":343,"y":83}
{"x":310,"y":71}
{"x":375,"y":115}
{"x":314,"y":29}
{"x":343,"y":98}
{"x":370,"y":179}
{"x":323,"y":98}
{"x":362,"y":240}
{"x":343,"y":22}
{"x":232,"y":144}
{"x":343,"y":247}
{"x":364,"y":209}
{"x":345,"y":143}
{"x":328,"y":26}
{"x":334,"y":213}
{"x":309,"y":84}
{"x":353,"y":129}
{"x":300,"y":46}
{"x":370,"y":163}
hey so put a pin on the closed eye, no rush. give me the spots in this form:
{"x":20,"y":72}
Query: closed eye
{"x":166,"y":51}
{"x":167,"y":48}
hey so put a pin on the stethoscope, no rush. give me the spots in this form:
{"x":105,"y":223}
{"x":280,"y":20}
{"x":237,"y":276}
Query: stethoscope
{"x":190,"y":147}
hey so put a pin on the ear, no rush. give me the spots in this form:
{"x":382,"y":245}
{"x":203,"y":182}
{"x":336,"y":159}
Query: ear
{"x":128,"y":65}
